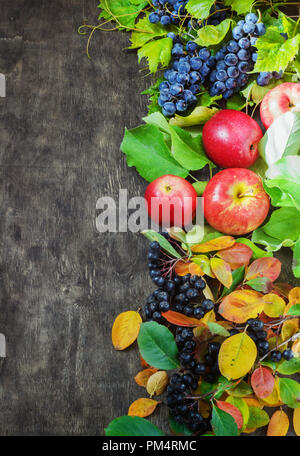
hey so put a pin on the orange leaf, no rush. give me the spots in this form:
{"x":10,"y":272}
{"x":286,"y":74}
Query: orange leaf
{"x":204,"y":408}
{"x":142,"y":377}
{"x":233,"y":411}
{"x":264,"y":267}
{"x":182,"y":267}
{"x":222,"y":271}
{"x":143,"y":363}
{"x":253,"y":402}
{"x":125,"y":329}
{"x":219,"y":243}
{"x":238,"y":255}
{"x":142,"y":407}
{"x":262,"y":382}
{"x":240,"y":305}
{"x":179,"y":319}
{"x":195,"y":269}
{"x":278,"y":425}
{"x":296,"y":421}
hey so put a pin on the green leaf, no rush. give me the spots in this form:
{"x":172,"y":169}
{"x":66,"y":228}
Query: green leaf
{"x":268,"y":363}
{"x":282,"y":138}
{"x":292,"y":366}
{"x":257,"y":252}
{"x":158,"y":120}
{"x":285,"y":175}
{"x":157,"y":346}
{"x":210,"y":35}
{"x":200,"y":187}
{"x":289,"y":392}
{"x":296,"y":259}
{"x":241,"y":390}
{"x":195,"y":235}
{"x":146,"y":149}
{"x":294,"y":310}
{"x":146,"y":32}
{"x":132,"y":426}
{"x":215,"y":328}
{"x":222,"y":423}
{"x":272,"y":244}
{"x":123,"y":12}
{"x":284,"y":224}
{"x":153,"y":92}
{"x":242,"y":406}
{"x":157,"y":52}
{"x":262,"y":284}
{"x":274,"y":52}
{"x":290,"y":27}
{"x":237,"y":278}
{"x":178,"y":428}
{"x":199,"y":116}
{"x":188,"y":151}
{"x":163,"y":242}
{"x":240,"y":6}
{"x":257,"y":418}
{"x":199,"y":10}
{"x":236,"y":102}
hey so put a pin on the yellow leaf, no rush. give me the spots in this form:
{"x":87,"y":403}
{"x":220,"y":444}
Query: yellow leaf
{"x":219,"y":243}
{"x":208,"y":293}
{"x":222,"y":271}
{"x":252,"y":401}
{"x":203,"y":262}
{"x":209,"y":317}
{"x":296,"y":348}
{"x":240,"y":305}
{"x":236,"y":356}
{"x":142,"y":407}
{"x":294,"y":295}
{"x":125,"y":329}
{"x":289,"y":328}
{"x":142,"y":377}
{"x":278,"y":425}
{"x":157,"y":383}
{"x":296,"y":421}
{"x":274,"y":305}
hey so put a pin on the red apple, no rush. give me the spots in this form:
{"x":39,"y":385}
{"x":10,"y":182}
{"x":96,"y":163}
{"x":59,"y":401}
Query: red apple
{"x":235,"y":201}
{"x":171,"y":201}
{"x":284,"y":97}
{"x":231,"y":138}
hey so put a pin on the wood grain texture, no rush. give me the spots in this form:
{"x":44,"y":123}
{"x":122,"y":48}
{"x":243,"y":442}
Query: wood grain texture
{"x":61,"y":282}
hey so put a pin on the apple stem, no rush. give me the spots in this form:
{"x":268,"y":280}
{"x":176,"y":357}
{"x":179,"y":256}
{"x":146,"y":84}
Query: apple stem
{"x":241,"y":195}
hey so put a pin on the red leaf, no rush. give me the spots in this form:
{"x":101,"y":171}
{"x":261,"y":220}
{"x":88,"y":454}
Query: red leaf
{"x":179,"y":319}
{"x":237,"y":255}
{"x":264,"y":267}
{"x":233,"y":411}
{"x":262,"y":382}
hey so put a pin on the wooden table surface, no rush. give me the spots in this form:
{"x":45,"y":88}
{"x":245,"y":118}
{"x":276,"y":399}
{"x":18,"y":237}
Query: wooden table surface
{"x":61,"y":282}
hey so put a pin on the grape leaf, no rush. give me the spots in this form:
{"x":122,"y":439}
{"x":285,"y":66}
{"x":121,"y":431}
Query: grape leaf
{"x":199,"y":10}
{"x":240,"y":6}
{"x":132,"y":426}
{"x":285,"y":175}
{"x":153,"y":92}
{"x":274,"y":52}
{"x":157,"y":52}
{"x":146,"y":31}
{"x":210,"y":35}
{"x":123,"y":12}
{"x":188,"y":151}
{"x":146,"y":149}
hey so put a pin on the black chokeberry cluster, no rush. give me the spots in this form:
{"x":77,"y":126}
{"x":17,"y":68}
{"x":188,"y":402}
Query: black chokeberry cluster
{"x":259,"y":335}
{"x":184,"y":409}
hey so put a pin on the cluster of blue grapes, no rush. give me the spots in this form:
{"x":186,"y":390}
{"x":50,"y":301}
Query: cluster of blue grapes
{"x":217,"y":14}
{"x":168,"y":11}
{"x":190,"y":67}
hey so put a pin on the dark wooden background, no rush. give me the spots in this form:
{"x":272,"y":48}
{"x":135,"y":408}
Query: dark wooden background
{"x":61,"y":282}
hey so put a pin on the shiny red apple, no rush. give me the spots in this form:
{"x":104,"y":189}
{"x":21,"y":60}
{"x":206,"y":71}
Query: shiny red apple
{"x":283,"y":98}
{"x":231,"y":139}
{"x":171,"y":201}
{"x":234,"y":201}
